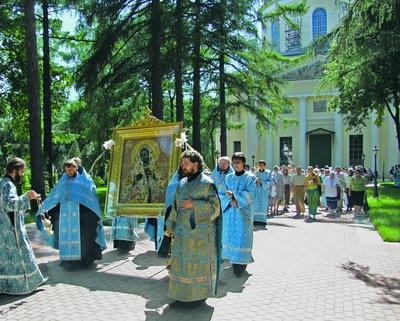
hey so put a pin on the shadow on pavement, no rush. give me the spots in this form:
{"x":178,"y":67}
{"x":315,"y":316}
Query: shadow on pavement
{"x":390,"y":286}
{"x":279,"y":224}
{"x":17,"y":301}
{"x":203,"y":312}
{"x":228,"y":282}
{"x":153,"y":290}
{"x":148,"y":259}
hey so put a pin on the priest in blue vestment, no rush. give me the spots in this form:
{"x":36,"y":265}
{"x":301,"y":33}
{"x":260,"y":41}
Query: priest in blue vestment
{"x":219,"y":173}
{"x":237,"y":209}
{"x":261,"y":194}
{"x":74,"y":211}
{"x":194,"y":224}
{"x":19,"y":270}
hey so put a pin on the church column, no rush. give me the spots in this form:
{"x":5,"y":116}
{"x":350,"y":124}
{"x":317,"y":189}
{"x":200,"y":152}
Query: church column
{"x":251,"y":138}
{"x":338,"y":140}
{"x":302,"y":152}
{"x":392,"y":156}
{"x":269,"y":150}
{"x":375,"y":141}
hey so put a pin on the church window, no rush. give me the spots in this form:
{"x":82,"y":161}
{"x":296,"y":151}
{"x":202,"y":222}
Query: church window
{"x":275,"y":35}
{"x":319,"y":23}
{"x":319,"y":106}
{"x":237,"y":146}
{"x":293,"y":34}
{"x":356,"y":150}
{"x":285,"y":150}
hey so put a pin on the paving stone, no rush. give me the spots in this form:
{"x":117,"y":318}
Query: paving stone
{"x":332,"y":269}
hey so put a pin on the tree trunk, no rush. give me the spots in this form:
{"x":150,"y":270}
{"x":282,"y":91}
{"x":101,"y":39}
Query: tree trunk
{"x":196,"y":79}
{"x":178,"y":61}
{"x":221,"y":67}
{"x":156,"y":72}
{"x":222,"y":100}
{"x":47,"y":132}
{"x":33,"y":85}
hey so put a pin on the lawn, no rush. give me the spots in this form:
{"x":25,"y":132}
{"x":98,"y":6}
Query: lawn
{"x":384,"y":211}
{"x":101,"y":194}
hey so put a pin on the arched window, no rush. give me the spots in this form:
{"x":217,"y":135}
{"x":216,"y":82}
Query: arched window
{"x":318,"y":23}
{"x":275,"y":36}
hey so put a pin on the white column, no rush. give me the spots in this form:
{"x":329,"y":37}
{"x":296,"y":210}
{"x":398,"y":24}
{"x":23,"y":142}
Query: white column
{"x":251,"y":138}
{"x":269,"y":150}
{"x":338,"y":140}
{"x":375,"y":141}
{"x":302,"y":133}
{"x":393,"y":154}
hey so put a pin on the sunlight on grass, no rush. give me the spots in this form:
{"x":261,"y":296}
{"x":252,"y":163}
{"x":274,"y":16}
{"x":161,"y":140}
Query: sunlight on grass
{"x":384,"y":211}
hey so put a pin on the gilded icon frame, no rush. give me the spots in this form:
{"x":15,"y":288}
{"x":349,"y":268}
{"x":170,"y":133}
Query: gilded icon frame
{"x":143,"y":160}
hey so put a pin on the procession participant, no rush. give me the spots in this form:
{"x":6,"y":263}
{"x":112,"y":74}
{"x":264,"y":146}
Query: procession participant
{"x":297,"y":183}
{"x":312,"y":181}
{"x":279,"y":184}
{"x":194,"y":223}
{"x":237,"y":208}
{"x":19,"y":271}
{"x":286,"y":181}
{"x":74,"y":211}
{"x":348,"y":177}
{"x":357,"y":190}
{"x":330,"y":188}
{"x":124,"y":232}
{"x":342,"y":186}
{"x":262,"y":191}
{"x":219,"y":173}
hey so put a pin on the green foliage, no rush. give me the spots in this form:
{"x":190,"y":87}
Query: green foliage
{"x":384,"y":212}
{"x":363,"y":63}
{"x":74,"y":150}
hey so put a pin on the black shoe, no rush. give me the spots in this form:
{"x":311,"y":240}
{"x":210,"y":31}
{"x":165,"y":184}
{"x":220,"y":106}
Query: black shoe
{"x":239,"y":269}
{"x":178,"y":303}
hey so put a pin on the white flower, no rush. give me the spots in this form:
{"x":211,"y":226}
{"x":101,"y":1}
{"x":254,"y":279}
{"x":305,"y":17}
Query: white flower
{"x":179,"y":142}
{"x":182,"y":140}
{"x":108,"y":144}
{"x":184,"y":137}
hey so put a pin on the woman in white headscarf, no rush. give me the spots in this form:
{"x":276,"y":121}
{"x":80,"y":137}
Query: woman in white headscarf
{"x":330,"y":186}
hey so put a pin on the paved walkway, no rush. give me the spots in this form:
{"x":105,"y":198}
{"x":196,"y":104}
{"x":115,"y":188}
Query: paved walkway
{"x":332,"y":269}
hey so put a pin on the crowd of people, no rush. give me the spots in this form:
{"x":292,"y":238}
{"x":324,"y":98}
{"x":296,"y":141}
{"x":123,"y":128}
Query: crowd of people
{"x":337,"y":190}
{"x":209,"y":218}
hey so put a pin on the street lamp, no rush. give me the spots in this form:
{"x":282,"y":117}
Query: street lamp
{"x":375,"y":149}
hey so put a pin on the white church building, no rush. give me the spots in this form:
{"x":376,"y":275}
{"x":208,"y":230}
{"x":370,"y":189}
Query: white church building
{"x":319,"y":136}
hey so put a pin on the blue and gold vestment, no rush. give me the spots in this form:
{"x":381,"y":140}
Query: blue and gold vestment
{"x":196,"y":246}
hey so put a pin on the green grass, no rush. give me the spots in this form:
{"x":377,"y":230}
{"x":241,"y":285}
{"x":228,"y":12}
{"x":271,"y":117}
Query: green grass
{"x":384,"y":211}
{"x":101,"y":194}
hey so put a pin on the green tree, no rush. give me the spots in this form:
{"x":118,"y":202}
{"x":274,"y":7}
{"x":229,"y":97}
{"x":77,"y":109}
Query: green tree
{"x":33,"y":80}
{"x":363,"y":63}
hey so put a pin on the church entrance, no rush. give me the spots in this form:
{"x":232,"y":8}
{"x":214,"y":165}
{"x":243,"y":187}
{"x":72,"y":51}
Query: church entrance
{"x":320,"y":151}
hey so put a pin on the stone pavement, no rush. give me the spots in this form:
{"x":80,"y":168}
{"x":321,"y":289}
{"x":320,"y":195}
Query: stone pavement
{"x":331,"y":269}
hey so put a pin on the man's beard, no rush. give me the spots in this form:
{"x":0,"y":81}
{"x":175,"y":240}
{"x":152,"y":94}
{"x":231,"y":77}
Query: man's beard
{"x":187,"y":173}
{"x":17,"y":178}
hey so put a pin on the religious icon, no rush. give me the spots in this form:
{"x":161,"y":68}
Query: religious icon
{"x":143,"y":160}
